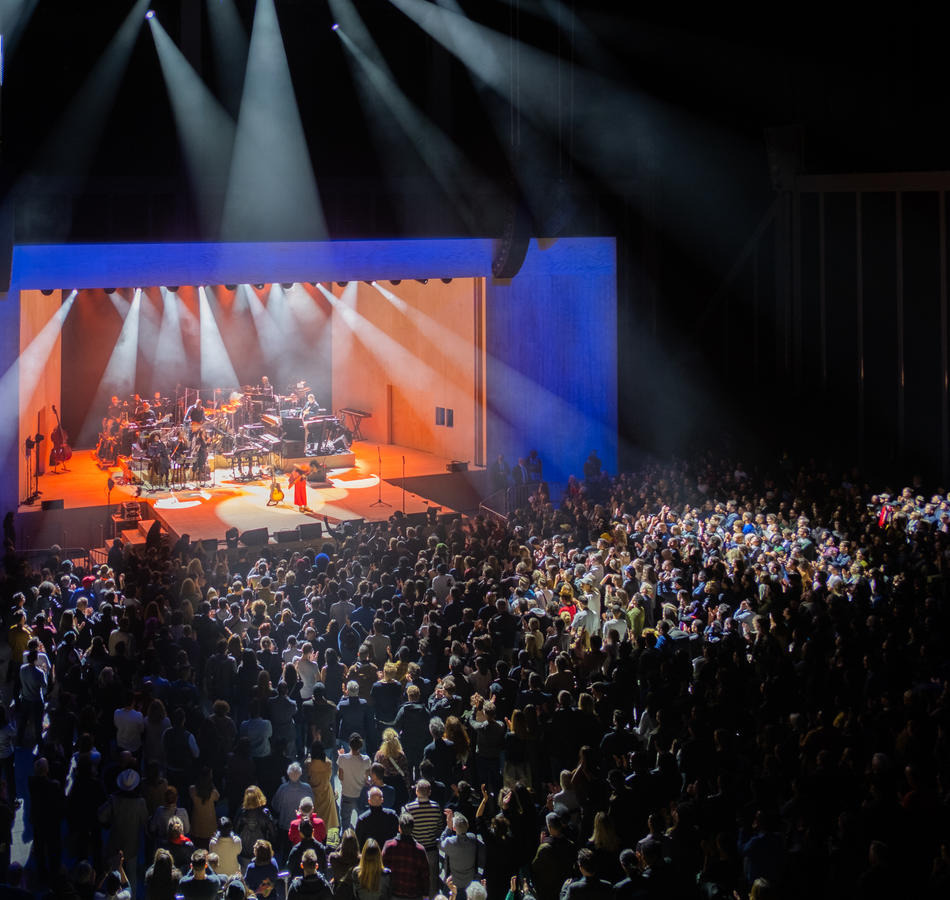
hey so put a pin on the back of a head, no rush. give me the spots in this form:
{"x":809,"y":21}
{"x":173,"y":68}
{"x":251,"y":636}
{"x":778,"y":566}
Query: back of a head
{"x":407,"y":825}
{"x":476,"y":891}
{"x":309,"y":861}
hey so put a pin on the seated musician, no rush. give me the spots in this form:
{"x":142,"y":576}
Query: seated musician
{"x":158,"y":404}
{"x":115,"y":408}
{"x":145,"y":414}
{"x":311,"y":407}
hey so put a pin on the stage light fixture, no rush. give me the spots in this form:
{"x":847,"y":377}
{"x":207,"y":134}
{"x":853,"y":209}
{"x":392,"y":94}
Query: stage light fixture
{"x":395,"y":282}
{"x":150,"y":14}
{"x":286,"y":285}
{"x":335,"y":26}
{"x":423,"y":280}
{"x":46,"y":292}
{"x":109,"y":290}
{"x":259,"y":287}
{"x":342,"y":283}
{"x":230,"y":287}
{"x":173,"y":288}
{"x":446,"y":280}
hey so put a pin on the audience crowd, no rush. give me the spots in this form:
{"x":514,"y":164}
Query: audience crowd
{"x":688,"y":681}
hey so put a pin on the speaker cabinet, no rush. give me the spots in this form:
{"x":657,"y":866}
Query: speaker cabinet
{"x":256,"y":537}
{"x":309,"y":530}
{"x":286,"y":537}
{"x":52,"y":504}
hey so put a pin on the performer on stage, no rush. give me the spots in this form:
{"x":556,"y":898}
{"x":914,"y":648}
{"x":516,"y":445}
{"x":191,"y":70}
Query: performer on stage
{"x":298,"y":480}
{"x":115,"y":408}
{"x":266,"y":388}
{"x":195,"y":414}
{"x":311,"y":407}
{"x":199,"y":446}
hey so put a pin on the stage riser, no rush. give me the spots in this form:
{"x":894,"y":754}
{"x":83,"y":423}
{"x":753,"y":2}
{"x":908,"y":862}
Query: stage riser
{"x":332,"y":461}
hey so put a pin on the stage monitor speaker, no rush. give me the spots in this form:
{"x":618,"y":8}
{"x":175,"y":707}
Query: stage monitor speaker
{"x":450,"y":517}
{"x":457,"y":465}
{"x":352,"y":526}
{"x":310,"y":530}
{"x":293,"y":428}
{"x":292,"y":449}
{"x":210,"y":545}
{"x":52,"y":504}
{"x":256,"y":537}
{"x":416,"y":518}
{"x":286,"y":537}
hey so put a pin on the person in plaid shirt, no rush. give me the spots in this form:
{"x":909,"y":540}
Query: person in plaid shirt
{"x":407,"y":863}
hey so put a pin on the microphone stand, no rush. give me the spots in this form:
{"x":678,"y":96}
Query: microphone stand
{"x":404,"y":485}
{"x":380,"y":501}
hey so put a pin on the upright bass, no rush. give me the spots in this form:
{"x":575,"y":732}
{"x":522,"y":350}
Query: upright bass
{"x":59,"y":451}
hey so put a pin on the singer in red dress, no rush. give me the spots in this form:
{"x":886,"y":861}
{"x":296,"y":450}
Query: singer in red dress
{"x":298,"y":480}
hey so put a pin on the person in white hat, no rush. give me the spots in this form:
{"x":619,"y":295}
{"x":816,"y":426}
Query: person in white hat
{"x":125,"y":815}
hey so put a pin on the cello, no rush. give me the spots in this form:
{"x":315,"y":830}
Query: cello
{"x":59,"y":451}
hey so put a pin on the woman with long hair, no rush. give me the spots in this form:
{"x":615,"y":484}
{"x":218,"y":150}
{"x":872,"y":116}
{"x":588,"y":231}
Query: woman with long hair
{"x":516,"y":751}
{"x":204,"y":796}
{"x":369,"y":879}
{"x":345,"y":858}
{"x":392,"y":758}
{"x":319,"y":771}
{"x":457,"y":733}
{"x":606,"y":848}
{"x":156,"y":723}
{"x":162,"y":877}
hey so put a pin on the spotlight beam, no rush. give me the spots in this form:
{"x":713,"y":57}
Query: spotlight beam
{"x":79,"y":131}
{"x":460,"y":181}
{"x":272,"y":191}
{"x":216,"y":367}
{"x":23,"y":376}
{"x":205,"y":129}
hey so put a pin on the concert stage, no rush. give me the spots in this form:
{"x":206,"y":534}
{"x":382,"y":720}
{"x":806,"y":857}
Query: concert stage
{"x":208,"y":512}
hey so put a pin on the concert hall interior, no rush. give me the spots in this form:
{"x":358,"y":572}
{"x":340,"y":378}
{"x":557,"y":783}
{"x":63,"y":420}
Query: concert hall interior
{"x":407,"y":345}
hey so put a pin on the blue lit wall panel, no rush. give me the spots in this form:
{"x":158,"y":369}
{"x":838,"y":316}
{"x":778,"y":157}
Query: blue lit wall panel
{"x":136,"y":265}
{"x":552,"y":358}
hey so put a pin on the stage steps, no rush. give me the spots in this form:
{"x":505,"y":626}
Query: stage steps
{"x":137,"y":536}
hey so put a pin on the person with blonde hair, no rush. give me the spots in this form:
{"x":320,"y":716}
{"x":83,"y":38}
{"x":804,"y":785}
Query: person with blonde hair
{"x":254,"y":821}
{"x":397,"y":771}
{"x":370,"y":878}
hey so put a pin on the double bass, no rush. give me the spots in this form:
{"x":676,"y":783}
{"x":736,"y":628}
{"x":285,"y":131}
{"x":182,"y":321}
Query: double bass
{"x":59,"y":451}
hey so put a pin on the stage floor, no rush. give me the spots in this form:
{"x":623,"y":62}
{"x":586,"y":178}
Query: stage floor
{"x":210,"y":511}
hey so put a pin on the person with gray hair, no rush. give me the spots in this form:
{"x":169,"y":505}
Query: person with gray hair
{"x":462,"y":852}
{"x":288,"y":796}
{"x":475,"y":890}
{"x":441,"y":752}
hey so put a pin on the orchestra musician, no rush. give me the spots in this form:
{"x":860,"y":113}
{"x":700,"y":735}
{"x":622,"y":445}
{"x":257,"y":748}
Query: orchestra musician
{"x":266,"y":388}
{"x":298,"y":481}
{"x":159,"y":464}
{"x":144,"y":415}
{"x":180,"y":453}
{"x":115,"y":408}
{"x":195,"y":414}
{"x":311,"y":407}
{"x":199,"y":446}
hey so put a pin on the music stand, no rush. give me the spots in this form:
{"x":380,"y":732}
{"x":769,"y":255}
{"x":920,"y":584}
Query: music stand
{"x":379,"y":474}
